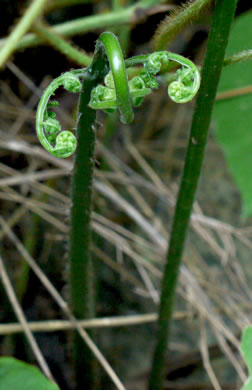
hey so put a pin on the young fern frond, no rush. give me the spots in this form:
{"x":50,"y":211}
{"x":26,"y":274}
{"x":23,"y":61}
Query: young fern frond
{"x":105,"y":86}
{"x":58,"y":143}
{"x":116,"y":92}
{"x":177,"y":20}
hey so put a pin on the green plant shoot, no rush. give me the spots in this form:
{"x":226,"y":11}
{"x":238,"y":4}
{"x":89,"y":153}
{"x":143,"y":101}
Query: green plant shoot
{"x":103,"y":85}
{"x":116,"y":92}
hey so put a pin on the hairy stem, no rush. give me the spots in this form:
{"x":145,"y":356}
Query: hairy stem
{"x":176,"y":21}
{"x":81,"y":271}
{"x":21,"y":28}
{"x":245,"y":55}
{"x":223,"y":14}
{"x":107,"y":56}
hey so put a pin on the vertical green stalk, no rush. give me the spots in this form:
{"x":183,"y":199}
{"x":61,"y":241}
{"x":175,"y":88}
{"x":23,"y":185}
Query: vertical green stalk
{"x":107,"y":56}
{"x":81,"y":271}
{"x":223,"y":14}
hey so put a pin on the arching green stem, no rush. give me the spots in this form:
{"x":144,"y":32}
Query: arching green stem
{"x":120,"y":78}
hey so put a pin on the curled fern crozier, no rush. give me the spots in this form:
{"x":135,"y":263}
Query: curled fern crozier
{"x":116,"y":91}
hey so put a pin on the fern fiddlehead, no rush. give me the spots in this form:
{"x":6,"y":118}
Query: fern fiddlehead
{"x":116,"y":92}
{"x":104,"y":85}
{"x":58,"y":143}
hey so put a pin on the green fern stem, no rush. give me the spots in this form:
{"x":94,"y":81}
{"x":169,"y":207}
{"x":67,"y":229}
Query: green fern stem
{"x":108,"y":54}
{"x":222,"y":18}
{"x":81,"y":267}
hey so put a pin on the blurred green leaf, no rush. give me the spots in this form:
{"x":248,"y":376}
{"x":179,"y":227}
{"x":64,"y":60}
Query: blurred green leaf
{"x":246,"y":349}
{"x":233,"y":117}
{"x":16,"y":375}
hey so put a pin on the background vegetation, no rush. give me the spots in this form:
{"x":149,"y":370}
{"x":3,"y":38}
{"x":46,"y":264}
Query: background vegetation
{"x":136,"y":179}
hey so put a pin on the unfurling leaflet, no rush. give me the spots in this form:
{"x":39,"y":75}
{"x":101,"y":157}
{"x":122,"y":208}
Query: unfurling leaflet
{"x":58,"y":143}
{"x":116,"y":92}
